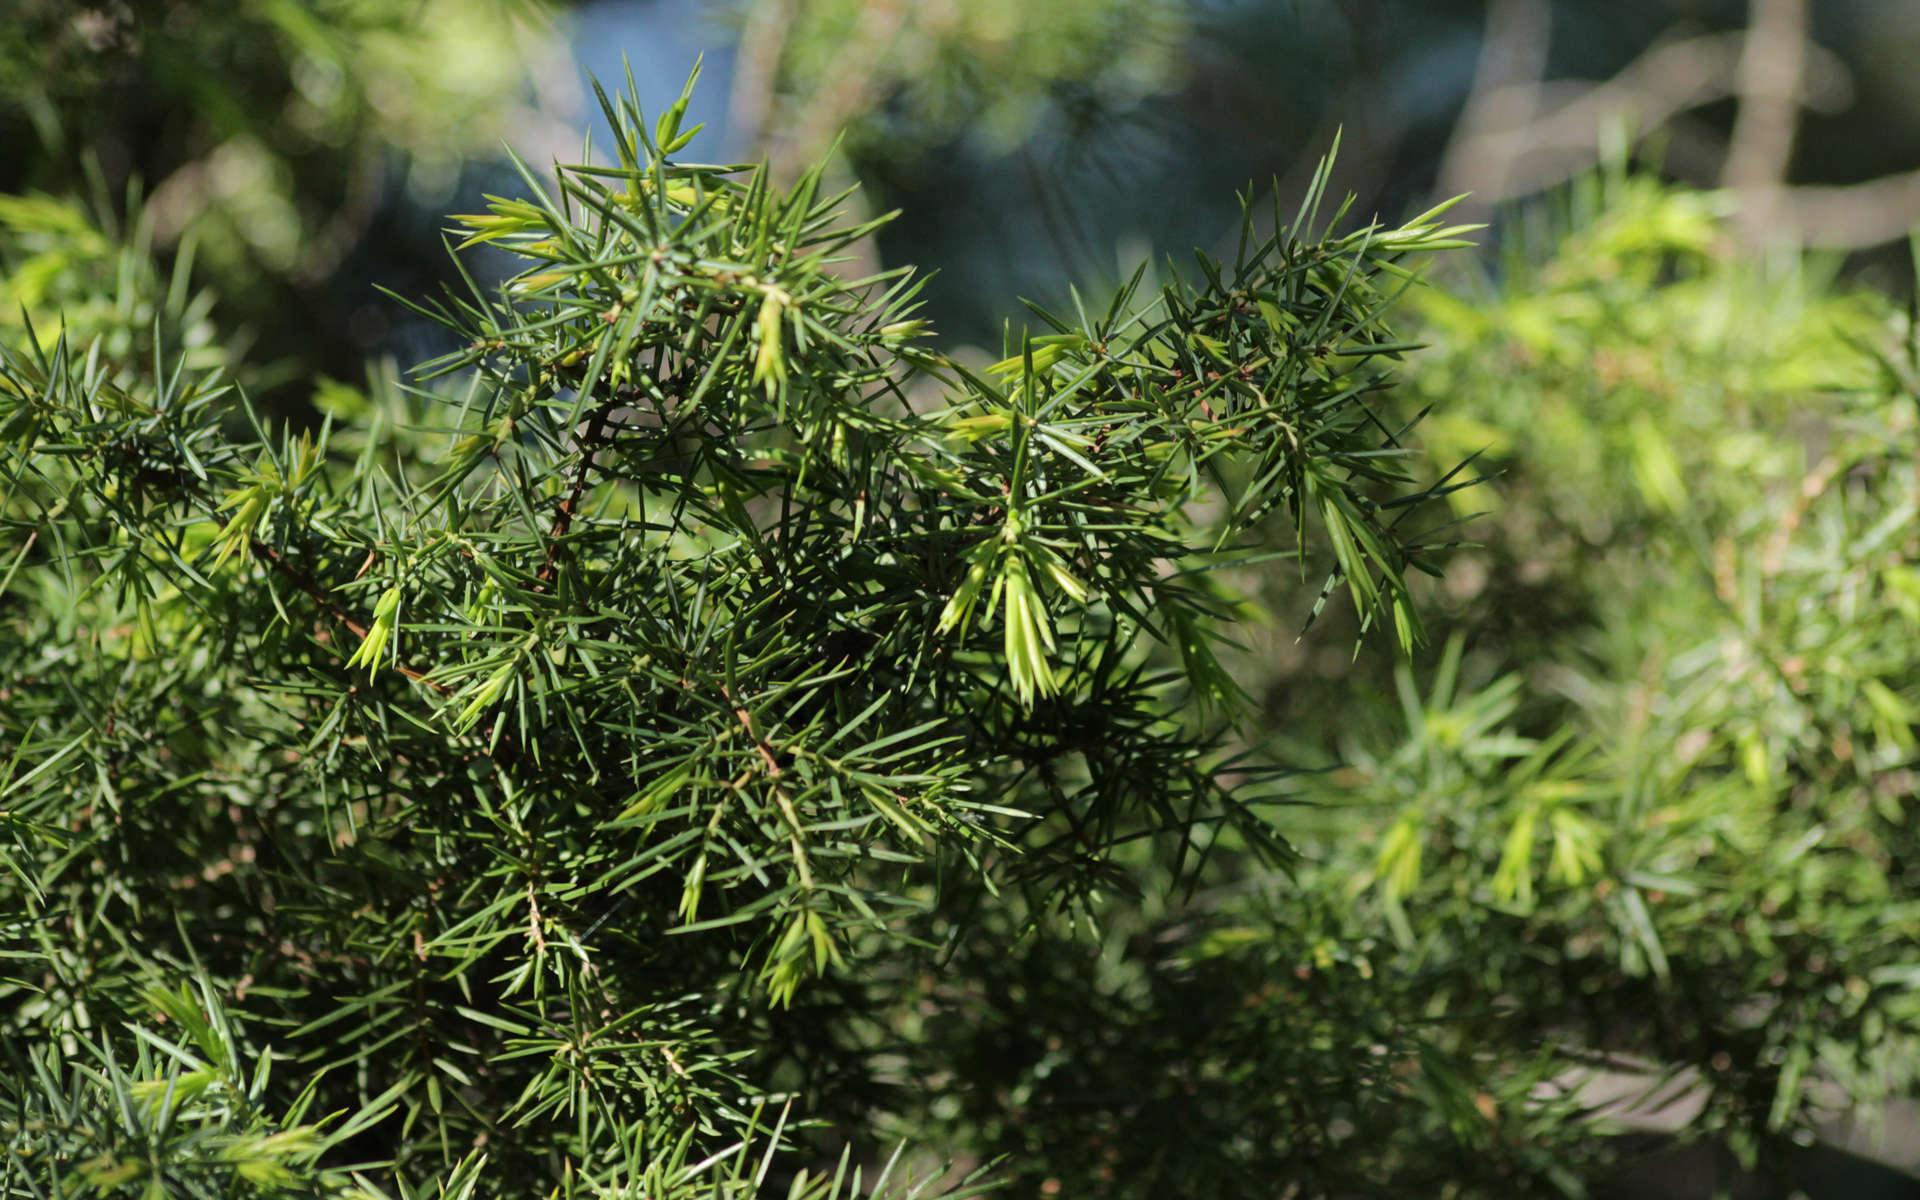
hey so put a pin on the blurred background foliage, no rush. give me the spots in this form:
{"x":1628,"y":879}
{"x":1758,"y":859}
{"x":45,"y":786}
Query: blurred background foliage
{"x":294,"y":153}
{"x":1627,"y":854}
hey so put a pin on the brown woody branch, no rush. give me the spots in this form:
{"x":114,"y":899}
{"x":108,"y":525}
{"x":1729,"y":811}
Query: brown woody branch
{"x":319,"y":596}
{"x":569,"y":505}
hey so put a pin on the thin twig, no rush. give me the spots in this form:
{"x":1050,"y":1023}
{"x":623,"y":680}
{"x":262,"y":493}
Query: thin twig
{"x":756,"y":74}
{"x":1762,"y":148}
{"x":314,"y":591}
{"x":1505,"y":98}
{"x":787,"y":809}
{"x":570,"y":504}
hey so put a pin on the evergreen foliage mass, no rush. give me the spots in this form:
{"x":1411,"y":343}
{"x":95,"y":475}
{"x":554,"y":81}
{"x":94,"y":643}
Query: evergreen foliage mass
{"x":700,"y":736}
{"x":648,"y":743}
